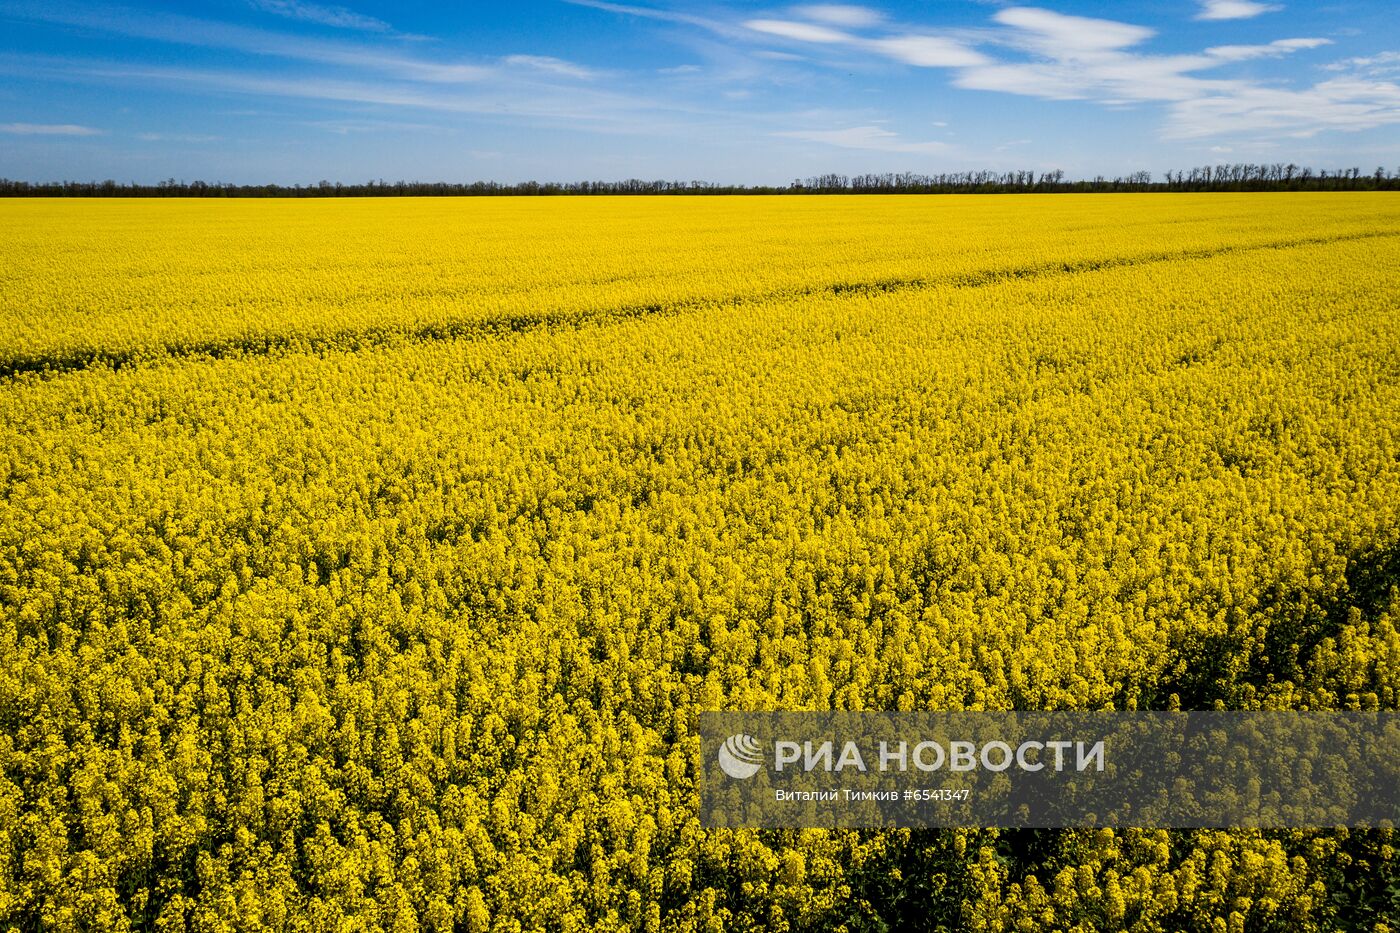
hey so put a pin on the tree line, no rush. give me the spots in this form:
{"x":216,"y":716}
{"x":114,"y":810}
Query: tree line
{"x":1239,"y":176}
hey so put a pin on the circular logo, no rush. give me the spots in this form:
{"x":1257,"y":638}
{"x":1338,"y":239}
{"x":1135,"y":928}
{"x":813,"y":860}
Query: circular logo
{"x":740,"y":756}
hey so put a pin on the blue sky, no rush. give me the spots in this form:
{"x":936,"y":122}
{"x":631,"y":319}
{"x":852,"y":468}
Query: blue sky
{"x":297,"y":91}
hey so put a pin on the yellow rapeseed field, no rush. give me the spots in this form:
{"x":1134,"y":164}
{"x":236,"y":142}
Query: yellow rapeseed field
{"x":364,"y":564}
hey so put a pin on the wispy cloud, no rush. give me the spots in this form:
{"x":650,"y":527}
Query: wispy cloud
{"x":1034,"y":52}
{"x":551,"y":65}
{"x":347,"y":127}
{"x":800,"y":32}
{"x":1059,"y":36}
{"x":840,"y":14}
{"x":1101,"y":63}
{"x":337,"y":16}
{"x":176,"y":138}
{"x":669,"y":16}
{"x":921,"y":49}
{"x":1234,"y":9}
{"x":191,"y":31}
{"x":926,"y":51}
{"x":1279,"y":47}
{"x":868,"y":138}
{"x":572,"y":104}
{"x":1341,"y":104}
{"x":48,"y":129}
{"x":1381,"y":65}
{"x":1231,"y":93}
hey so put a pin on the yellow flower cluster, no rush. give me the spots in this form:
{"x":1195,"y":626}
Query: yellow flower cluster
{"x":363,"y":565}
{"x":124,"y":281}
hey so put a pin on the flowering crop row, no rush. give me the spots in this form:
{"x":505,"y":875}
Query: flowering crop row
{"x":411,"y":633}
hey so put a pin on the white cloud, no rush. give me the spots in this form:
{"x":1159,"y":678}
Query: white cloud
{"x":1028,"y":80}
{"x":1346,"y":104}
{"x":927,"y":51}
{"x":1241,"y":53}
{"x":1060,"y":36}
{"x":713,"y":25}
{"x":1384,"y":63}
{"x":599,"y":110}
{"x":348,"y":127}
{"x":868,"y":138}
{"x":1082,"y":58}
{"x":841,"y":14}
{"x":176,"y":138}
{"x":800,"y":32}
{"x":337,"y":16}
{"x":1234,"y":9}
{"x":48,"y":129}
{"x":189,"y":31}
{"x":555,"y":66}
{"x":1023,"y":51}
{"x":1095,"y":60}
